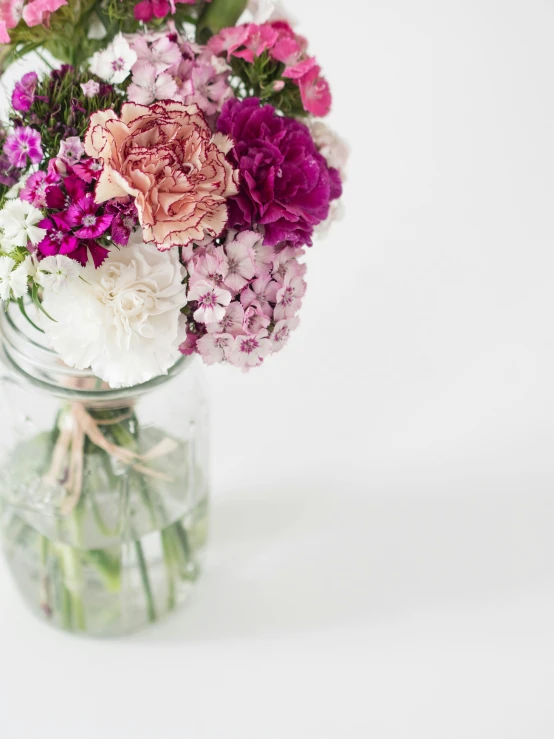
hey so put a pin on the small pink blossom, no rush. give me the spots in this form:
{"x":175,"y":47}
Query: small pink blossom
{"x":249,"y":350}
{"x":4,"y":35}
{"x":208,"y":266}
{"x":11,"y":11}
{"x":71,"y":150}
{"x":188,"y":347}
{"x":231,"y":323}
{"x":148,"y":87}
{"x":282,"y":331}
{"x":35,"y":188}
{"x":299,"y":70}
{"x":240,"y":267}
{"x":315,"y":92}
{"x":160,"y":54}
{"x":263,"y":290}
{"x":287,"y":50}
{"x":229,"y":40}
{"x":90,"y":88}
{"x":211,"y":300}
{"x":213,"y":348}
{"x":38,"y":12}
{"x":289,"y":297}
{"x":260,"y":38}
{"x":286,"y":262}
{"x":255,"y":319}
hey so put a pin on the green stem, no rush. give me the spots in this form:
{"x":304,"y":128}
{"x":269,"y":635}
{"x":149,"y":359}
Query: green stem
{"x":145,"y":581}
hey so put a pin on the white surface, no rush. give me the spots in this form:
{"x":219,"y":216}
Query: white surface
{"x":382,"y":555}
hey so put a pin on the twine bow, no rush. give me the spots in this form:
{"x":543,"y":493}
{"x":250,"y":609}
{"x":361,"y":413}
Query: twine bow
{"x":73,"y":435}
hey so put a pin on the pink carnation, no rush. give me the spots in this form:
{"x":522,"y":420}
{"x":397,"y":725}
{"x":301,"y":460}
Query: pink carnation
{"x":4,"y":35}
{"x":138,"y":150}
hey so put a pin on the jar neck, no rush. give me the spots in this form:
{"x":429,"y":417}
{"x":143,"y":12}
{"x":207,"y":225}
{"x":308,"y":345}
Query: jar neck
{"x":25,"y":353}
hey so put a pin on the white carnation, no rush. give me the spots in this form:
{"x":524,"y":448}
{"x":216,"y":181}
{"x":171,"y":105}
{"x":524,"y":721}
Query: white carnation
{"x":122,"y":319}
{"x":332,"y":147}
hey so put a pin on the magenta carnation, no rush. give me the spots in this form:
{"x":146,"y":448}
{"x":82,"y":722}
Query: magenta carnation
{"x":285,"y":184}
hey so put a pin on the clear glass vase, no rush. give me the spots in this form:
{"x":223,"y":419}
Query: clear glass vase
{"x":103,"y":493}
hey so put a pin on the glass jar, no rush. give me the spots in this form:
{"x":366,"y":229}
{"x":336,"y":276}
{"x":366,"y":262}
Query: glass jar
{"x":103,"y":493}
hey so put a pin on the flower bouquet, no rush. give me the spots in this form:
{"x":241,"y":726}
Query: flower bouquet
{"x":159,"y":184}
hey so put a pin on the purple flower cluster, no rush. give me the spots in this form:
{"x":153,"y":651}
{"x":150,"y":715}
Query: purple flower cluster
{"x":286,"y":185}
{"x":74,"y":222}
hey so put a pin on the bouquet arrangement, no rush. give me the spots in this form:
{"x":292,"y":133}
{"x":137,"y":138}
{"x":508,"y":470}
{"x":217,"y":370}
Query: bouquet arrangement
{"x":159,"y":187}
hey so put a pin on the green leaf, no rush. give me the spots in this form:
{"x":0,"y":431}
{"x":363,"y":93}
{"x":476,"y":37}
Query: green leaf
{"x":37,"y":302}
{"x":21,"y":305}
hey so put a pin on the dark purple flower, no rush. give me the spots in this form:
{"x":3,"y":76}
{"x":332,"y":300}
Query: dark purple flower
{"x":24,"y":92}
{"x":125,"y":219}
{"x":83,"y":215}
{"x":66,"y":193}
{"x":58,"y":239}
{"x":286,"y":184}
{"x":88,"y":169}
{"x":97,"y":252}
{"x":24,"y":143}
{"x":36,"y":187}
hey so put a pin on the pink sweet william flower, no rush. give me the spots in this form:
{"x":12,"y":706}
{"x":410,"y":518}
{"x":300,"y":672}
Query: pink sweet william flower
{"x":188,"y":347}
{"x":83,"y":215}
{"x":260,"y":39}
{"x":4,"y":35}
{"x":23,"y":144}
{"x":90,"y":88}
{"x":148,"y":9}
{"x":241,"y":264}
{"x":298,"y":70}
{"x":263,"y":290}
{"x":287,"y":50}
{"x":35,"y":188}
{"x":282,"y":331}
{"x":24,"y":92}
{"x":231,"y":323}
{"x":255,"y":319}
{"x":11,"y":12}
{"x":289,"y":297}
{"x":213,"y":348}
{"x":229,"y":40}
{"x":211,"y":300}
{"x":71,"y":150}
{"x":315,"y":93}
{"x":249,"y":350}
{"x":38,"y":12}
{"x":161,"y":54}
{"x":148,"y":86}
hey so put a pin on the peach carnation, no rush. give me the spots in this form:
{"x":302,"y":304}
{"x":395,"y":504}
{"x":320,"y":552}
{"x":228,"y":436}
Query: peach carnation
{"x":166,"y":157}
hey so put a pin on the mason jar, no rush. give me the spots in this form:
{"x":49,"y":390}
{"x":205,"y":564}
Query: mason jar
{"x":103,"y":492}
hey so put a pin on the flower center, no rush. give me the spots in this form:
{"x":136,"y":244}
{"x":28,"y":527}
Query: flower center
{"x":118,"y":64}
{"x":208,"y":300}
{"x":89,"y":220}
{"x":248,"y":345}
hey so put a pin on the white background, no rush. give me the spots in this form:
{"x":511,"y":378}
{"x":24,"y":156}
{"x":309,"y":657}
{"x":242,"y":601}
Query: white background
{"x":382,"y":559}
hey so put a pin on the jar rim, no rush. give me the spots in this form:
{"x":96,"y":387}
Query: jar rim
{"x":14,"y":342}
